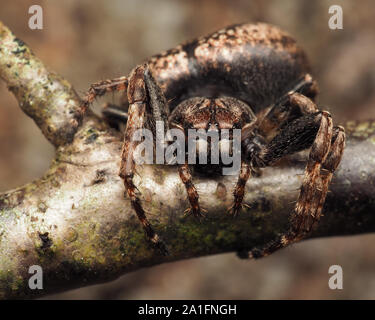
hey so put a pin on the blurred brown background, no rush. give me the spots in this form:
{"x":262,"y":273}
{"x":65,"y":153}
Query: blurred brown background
{"x":87,"y":41}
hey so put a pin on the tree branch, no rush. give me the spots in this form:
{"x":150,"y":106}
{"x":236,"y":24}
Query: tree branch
{"x":76,"y":224}
{"x":44,"y":96}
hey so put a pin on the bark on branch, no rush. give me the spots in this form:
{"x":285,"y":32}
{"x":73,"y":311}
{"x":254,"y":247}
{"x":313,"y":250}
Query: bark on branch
{"x":43,"y":95}
{"x":76,"y":224}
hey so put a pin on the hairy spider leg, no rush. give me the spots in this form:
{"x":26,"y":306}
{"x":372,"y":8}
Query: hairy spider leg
{"x":144,"y":103}
{"x":288,"y":107}
{"x":330,"y":165}
{"x":191,"y":191}
{"x":137,"y":97}
{"x":115,"y":116}
{"x":277,"y":114}
{"x":327,"y":146}
{"x":239,"y":190}
{"x":101,"y":88}
{"x":115,"y":113}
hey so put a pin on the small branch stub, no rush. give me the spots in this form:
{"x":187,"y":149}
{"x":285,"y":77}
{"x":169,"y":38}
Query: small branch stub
{"x":44,"y":96}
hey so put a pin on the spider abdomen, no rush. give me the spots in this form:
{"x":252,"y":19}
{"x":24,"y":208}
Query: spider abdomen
{"x":256,"y":63}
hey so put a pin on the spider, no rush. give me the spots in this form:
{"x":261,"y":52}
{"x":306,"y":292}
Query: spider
{"x":252,"y":77}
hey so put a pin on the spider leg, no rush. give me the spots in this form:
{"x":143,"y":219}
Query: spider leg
{"x":305,"y":214}
{"x":325,"y":155}
{"x":115,"y":112}
{"x":101,"y":88}
{"x":292,"y":105}
{"x":331,"y":163}
{"x":239,"y":190}
{"x":192,"y":193}
{"x":310,"y":203}
{"x":141,"y":100}
{"x":116,"y":116}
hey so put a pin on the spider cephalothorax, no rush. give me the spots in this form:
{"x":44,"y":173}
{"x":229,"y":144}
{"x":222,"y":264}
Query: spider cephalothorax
{"x":216,"y":118}
{"x":251,"y":77}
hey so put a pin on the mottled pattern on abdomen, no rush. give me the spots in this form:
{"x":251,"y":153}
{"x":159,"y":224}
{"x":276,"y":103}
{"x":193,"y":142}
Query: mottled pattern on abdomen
{"x":256,"y":63}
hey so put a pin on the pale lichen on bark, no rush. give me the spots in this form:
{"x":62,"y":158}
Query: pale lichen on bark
{"x":76,"y":223}
{"x":43,"y":95}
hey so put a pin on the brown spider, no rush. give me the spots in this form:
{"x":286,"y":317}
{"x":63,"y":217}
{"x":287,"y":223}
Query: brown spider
{"x":252,"y":77}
